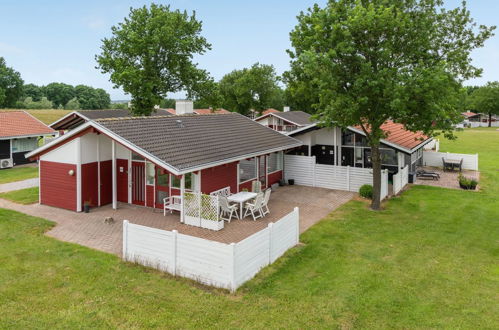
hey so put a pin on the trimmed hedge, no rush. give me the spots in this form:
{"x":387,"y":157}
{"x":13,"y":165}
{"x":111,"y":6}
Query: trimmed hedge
{"x":366,"y":191}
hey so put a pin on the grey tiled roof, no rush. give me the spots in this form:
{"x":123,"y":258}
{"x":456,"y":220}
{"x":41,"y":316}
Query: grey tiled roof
{"x":115,"y":113}
{"x":191,"y":141}
{"x":298,"y":117}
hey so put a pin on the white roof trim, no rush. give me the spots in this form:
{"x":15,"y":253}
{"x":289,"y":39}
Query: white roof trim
{"x":69,"y":114}
{"x":149,"y":156}
{"x":26,"y":136}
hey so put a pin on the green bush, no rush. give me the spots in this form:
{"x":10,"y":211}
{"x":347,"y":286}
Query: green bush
{"x":366,"y":191}
{"x":467,"y":183}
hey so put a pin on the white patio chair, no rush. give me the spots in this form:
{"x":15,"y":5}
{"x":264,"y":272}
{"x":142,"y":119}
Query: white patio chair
{"x":227,"y":209}
{"x":256,"y":186}
{"x":255,"y":208}
{"x":265,"y":203}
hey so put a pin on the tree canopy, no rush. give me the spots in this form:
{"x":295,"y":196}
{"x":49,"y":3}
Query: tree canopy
{"x":485,"y":99}
{"x":365,"y":62}
{"x":151,"y":54}
{"x":11,"y":85}
{"x":255,"y":88}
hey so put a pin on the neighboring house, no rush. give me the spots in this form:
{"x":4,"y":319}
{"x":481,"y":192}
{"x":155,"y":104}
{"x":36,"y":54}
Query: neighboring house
{"x":479,"y":119}
{"x":334,"y":146}
{"x":79,"y":117}
{"x":142,"y":160}
{"x":285,"y":121}
{"x":20,"y":133}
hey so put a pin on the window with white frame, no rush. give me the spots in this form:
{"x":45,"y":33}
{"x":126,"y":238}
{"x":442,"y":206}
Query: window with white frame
{"x":150,"y":173}
{"x":189,"y":181}
{"x":22,"y":145}
{"x":274,"y":162}
{"x":247,"y":169}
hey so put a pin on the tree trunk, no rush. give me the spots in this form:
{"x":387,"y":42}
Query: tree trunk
{"x":490,"y":119}
{"x":376,"y":162}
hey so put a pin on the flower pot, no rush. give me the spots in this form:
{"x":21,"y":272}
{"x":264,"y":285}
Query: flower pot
{"x":86,"y":208}
{"x":291,"y":182}
{"x":282,"y":183}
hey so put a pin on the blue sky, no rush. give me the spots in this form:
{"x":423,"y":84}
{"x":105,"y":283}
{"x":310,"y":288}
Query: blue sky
{"x":49,"y":41}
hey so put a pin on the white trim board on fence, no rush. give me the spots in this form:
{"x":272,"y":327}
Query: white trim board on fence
{"x":400,"y":180}
{"x":305,"y":172}
{"x":212,"y":263}
{"x":431,"y":158}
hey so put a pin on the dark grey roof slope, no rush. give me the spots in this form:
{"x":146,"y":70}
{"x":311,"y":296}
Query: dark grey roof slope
{"x":298,"y":117}
{"x":191,"y":141}
{"x":98,"y":114}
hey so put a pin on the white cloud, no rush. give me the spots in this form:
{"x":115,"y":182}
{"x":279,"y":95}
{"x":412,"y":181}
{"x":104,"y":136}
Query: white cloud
{"x":10,"y":49}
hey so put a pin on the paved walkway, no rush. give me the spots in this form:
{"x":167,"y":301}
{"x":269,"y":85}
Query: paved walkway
{"x":90,"y":230}
{"x":17,"y":185}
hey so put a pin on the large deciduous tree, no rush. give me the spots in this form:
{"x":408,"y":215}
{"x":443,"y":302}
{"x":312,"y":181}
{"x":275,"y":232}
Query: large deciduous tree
{"x":58,"y":93}
{"x":365,"y":62}
{"x":255,"y":88}
{"x":11,"y":85}
{"x":151,"y":54}
{"x":485,"y":99}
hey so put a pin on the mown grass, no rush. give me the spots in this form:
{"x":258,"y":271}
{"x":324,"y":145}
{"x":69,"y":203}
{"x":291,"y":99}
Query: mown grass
{"x":429,"y":260}
{"x":18,"y":174}
{"x":22,"y":196}
{"x":48,"y":116}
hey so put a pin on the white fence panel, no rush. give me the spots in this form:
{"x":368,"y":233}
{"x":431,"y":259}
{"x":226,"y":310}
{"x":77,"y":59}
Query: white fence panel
{"x":400,"y":180}
{"x":149,"y":246}
{"x":205,"y":261}
{"x":251,"y":255}
{"x":306,"y":172}
{"x":212,"y":263}
{"x":430,"y":158}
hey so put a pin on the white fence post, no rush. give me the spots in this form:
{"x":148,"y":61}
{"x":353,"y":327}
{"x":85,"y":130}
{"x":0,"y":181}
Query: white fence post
{"x":270,"y":244}
{"x":174,"y":252}
{"x":125,"y":239}
{"x":348,"y":178}
{"x":199,"y":208}
{"x":476,"y":162}
{"x":233,"y":268}
{"x":313,"y":171}
{"x":297,"y":212}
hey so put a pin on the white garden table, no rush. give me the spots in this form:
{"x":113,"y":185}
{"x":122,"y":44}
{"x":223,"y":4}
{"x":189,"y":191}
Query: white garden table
{"x":241,"y":198}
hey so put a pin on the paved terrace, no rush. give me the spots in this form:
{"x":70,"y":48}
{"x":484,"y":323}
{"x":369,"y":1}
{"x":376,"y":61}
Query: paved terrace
{"x":90,"y":230}
{"x":448,"y":179}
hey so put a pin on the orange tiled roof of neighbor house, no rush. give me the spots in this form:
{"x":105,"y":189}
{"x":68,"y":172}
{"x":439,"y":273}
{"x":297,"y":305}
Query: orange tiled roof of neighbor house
{"x":21,"y":123}
{"x":397,"y":134}
{"x":468,"y":114}
{"x":271,"y":110}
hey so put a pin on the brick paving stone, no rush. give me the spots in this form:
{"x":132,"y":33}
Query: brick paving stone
{"x":447,"y":179}
{"x":90,"y":230}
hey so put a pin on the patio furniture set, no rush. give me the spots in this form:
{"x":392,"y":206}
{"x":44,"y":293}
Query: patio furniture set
{"x":238,"y":205}
{"x":448,"y":165}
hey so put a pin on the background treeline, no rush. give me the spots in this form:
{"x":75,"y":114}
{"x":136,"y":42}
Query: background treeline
{"x":15,"y":94}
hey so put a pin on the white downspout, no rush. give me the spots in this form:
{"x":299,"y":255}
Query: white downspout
{"x":182,"y":197}
{"x":113,"y":157}
{"x":78,"y":175}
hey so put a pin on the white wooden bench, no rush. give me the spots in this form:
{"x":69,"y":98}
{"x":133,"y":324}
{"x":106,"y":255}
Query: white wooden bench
{"x":172,"y":203}
{"x":221,"y":192}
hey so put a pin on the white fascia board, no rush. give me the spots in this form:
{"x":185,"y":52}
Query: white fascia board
{"x":388,"y":143}
{"x":66,"y":116}
{"x":26,"y":136}
{"x":289,"y":121}
{"x":296,"y":131}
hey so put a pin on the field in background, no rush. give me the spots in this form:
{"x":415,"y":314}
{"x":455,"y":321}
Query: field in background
{"x":48,"y":116}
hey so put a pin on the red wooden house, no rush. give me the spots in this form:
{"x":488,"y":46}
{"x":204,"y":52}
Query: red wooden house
{"x":142,"y":160}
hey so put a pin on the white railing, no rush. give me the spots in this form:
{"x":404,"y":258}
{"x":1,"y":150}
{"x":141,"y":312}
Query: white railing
{"x":202,"y":210}
{"x":304,"y":171}
{"x":430,"y":158}
{"x":217,"y":264}
{"x":400,"y":180}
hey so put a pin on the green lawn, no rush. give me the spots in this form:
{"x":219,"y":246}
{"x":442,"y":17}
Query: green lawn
{"x":18,"y":174}
{"x":429,"y":260}
{"x":23,"y":196}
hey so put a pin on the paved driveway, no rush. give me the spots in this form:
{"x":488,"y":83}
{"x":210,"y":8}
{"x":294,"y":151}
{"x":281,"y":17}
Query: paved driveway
{"x":17,"y":185}
{"x":90,"y":229}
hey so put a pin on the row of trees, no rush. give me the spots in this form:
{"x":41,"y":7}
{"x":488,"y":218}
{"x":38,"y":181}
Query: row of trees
{"x":15,"y":94}
{"x":355,"y":62}
{"x":483,"y":99}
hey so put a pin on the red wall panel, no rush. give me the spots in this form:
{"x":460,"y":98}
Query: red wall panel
{"x":106,"y":182}
{"x":122,"y":180}
{"x":149,"y":196}
{"x":219,"y":177}
{"x":58,"y":188}
{"x":274,"y":177}
{"x":246,"y":185}
{"x":89,"y":187}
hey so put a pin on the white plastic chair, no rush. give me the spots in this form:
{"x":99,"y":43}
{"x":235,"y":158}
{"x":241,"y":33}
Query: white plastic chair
{"x":255,"y":208}
{"x":256,"y":186}
{"x":226,"y":208}
{"x":265,"y":203}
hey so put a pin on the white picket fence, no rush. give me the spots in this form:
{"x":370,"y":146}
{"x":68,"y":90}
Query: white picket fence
{"x":430,"y":158}
{"x":400,"y":180}
{"x":212,"y":263}
{"x":305,"y":172}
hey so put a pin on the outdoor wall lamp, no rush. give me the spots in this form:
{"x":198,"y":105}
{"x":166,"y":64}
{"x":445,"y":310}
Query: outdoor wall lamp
{"x":71,"y":172}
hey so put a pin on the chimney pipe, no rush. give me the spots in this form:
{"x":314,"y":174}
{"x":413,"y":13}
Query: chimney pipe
{"x":286,"y":109}
{"x":183,"y":107}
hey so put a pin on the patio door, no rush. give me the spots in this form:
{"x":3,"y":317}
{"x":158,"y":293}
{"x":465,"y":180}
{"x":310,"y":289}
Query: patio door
{"x":262,"y":171}
{"x":138,"y":183}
